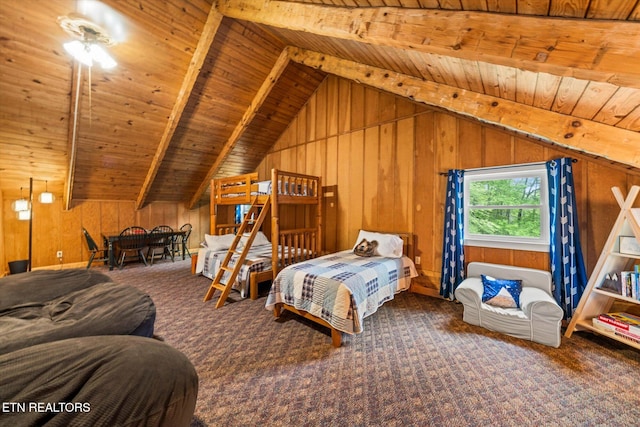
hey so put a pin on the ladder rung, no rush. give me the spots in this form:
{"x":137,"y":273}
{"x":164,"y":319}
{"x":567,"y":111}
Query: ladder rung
{"x":219,"y":286}
{"x":225,"y":268}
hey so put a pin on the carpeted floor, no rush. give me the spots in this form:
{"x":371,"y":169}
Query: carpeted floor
{"x":416,"y":364}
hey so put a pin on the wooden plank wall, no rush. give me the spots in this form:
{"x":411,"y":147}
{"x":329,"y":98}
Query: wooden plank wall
{"x":387,"y":157}
{"x":55,"y":229}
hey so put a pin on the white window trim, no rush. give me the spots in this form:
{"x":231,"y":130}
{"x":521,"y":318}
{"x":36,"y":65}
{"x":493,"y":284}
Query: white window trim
{"x":540,"y":244}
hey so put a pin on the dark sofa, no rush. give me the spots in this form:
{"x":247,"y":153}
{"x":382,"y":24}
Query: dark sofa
{"x":75,"y":350}
{"x":50,"y":305}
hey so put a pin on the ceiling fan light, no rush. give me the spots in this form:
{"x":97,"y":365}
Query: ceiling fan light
{"x":79,"y":51}
{"x":101,"y":56}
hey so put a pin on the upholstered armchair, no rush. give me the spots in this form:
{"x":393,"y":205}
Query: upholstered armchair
{"x":537,"y":316}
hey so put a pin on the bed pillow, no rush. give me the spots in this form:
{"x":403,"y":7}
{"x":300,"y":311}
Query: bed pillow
{"x":260,"y":239}
{"x":389,"y":245}
{"x":503,"y":293}
{"x":219,"y":243}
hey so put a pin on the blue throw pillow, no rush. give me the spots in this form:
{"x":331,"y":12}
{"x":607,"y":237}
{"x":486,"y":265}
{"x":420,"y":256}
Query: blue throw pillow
{"x":501,"y":292}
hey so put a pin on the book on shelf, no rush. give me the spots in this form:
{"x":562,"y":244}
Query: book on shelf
{"x":626,"y":278}
{"x":625,"y":335}
{"x":608,"y":327}
{"x":632,"y":337}
{"x":621,"y":320}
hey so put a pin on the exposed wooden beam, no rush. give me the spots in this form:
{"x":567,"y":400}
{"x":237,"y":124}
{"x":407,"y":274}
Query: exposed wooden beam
{"x":606,"y":51}
{"x":609,"y":142}
{"x":247,"y":117}
{"x":202,"y":49}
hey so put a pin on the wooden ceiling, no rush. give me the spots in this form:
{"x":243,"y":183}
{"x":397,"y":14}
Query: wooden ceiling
{"x":204,"y":89}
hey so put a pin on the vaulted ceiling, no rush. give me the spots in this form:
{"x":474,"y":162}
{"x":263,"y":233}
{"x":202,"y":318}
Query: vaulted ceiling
{"x":203,"y":89}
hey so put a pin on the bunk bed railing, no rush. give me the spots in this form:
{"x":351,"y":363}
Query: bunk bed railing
{"x":222,"y":229}
{"x":296,"y":188}
{"x":295,"y":246}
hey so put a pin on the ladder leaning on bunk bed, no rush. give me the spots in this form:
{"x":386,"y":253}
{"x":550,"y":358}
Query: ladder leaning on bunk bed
{"x":254,"y":219}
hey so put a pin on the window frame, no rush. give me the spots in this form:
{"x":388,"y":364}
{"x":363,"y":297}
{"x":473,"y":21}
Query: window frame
{"x":538,"y":244}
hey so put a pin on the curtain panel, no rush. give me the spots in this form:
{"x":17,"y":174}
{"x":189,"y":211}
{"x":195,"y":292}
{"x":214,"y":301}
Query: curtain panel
{"x":568,"y":271}
{"x":453,"y":239}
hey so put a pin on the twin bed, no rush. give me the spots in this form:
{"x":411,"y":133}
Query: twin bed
{"x":337,"y":290}
{"x":341,"y":289}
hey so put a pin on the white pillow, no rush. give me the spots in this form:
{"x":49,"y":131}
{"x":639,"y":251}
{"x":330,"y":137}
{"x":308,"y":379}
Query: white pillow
{"x":260,"y":239}
{"x":389,"y":245}
{"x":219,"y":243}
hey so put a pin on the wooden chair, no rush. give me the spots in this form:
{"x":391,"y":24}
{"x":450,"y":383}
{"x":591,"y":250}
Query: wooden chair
{"x":181,"y":243}
{"x":159,"y":240}
{"x":132,"y":240}
{"x":101,"y":253}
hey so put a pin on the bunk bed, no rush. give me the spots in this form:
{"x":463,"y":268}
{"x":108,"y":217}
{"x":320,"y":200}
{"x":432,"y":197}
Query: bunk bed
{"x":341,"y":289}
{"x":288,"y":243}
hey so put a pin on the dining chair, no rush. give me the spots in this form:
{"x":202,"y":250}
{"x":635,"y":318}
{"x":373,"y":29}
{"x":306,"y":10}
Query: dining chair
{"x":101,"y":253}
{"x":132,"y":240}
{"x":160,"y":239}
{"x":181,"y":242}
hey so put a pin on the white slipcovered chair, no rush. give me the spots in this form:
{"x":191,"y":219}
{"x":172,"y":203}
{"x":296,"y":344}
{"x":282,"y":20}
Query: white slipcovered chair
{"x":539,"y":316}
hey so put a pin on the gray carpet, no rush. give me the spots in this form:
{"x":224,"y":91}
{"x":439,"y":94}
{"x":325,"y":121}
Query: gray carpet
{"x":416,"y":364}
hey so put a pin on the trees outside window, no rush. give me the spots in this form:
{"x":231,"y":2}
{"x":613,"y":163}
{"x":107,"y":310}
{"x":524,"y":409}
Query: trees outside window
{"x":507,"y":208}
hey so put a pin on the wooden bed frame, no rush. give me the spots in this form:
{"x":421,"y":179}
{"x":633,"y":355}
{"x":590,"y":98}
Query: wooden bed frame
{"x":336,"y":335}
{"x":296,"y":244}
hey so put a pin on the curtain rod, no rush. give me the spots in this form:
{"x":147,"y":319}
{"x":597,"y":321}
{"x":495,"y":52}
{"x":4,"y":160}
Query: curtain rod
{"x":504,"y":166}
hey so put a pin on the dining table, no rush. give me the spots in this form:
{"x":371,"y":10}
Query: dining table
{"x":113,"y":238}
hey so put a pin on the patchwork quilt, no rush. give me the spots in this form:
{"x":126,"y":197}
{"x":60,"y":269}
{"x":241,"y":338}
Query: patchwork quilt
{"x":342,"y":288}
{"x":258,"y":259}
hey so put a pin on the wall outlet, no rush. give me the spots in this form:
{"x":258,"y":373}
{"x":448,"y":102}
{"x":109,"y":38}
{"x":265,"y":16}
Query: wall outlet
{"x":59,"y":254}
{"x":417,"y":260}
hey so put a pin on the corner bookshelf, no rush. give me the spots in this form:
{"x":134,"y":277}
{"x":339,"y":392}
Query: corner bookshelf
{"x":594,"y":300}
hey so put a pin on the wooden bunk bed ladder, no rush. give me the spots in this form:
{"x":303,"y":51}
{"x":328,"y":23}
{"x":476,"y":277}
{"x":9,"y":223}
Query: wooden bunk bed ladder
{"x":253,"y":220}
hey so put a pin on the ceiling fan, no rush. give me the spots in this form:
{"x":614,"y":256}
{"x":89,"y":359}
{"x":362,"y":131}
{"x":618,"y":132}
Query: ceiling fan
{"x":95,"y":27}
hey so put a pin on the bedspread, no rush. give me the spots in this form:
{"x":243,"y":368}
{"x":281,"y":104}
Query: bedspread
{"x":342,"y":288}
{"x":258,"y":259}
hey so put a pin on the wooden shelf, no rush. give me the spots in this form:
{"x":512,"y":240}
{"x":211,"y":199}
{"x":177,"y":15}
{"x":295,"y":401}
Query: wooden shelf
{"x":595,"y":301}
{"x":587,"y":325}
{"x":617,"y":296}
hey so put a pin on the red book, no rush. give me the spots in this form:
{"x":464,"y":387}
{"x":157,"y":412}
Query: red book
{"x":624,"y":321}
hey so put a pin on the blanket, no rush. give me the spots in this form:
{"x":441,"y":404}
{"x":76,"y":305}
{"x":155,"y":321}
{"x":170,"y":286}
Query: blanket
{"x":258,"y":259}
{"x":342,"y":288}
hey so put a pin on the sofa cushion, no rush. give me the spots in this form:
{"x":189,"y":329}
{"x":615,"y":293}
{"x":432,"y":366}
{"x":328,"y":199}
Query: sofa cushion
{"x":102,"y":309}
{"x":99,"y":381}
{"x":45,"y":285}
{"x":503,"y":293}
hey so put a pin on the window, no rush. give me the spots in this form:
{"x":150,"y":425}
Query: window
{"x":241,"y":212}
{"x":507,"y":208}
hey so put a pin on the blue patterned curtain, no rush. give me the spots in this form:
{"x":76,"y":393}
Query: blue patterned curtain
{"x":567,"y":266}
{"x":453,"y":242}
